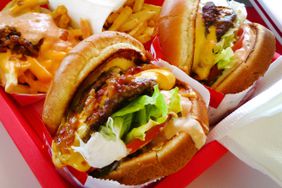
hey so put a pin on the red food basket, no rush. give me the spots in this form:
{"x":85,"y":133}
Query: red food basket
{"x":24,"y":125}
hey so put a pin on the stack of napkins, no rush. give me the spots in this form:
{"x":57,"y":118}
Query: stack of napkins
{"x":254,"y":131}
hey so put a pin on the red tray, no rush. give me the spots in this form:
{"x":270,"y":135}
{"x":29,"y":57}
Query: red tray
{"x":26,"y":129}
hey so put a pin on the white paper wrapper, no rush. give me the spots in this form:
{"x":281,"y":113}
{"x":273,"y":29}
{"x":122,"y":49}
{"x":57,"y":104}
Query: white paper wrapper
{"x":254,"y":131}
{"x":228,"y":104}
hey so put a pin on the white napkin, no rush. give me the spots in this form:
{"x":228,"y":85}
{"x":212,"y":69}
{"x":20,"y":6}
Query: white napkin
{"x":254,"y":131}
{"x":270,"y":12}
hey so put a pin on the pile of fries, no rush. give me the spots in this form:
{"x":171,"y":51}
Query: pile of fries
{"x":30,"y":75}
{"x":135,"y":18}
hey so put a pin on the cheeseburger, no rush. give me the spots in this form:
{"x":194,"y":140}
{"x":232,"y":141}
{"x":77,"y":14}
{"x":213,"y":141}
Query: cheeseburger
{"x":213,"y":42}
{"x":116,"y":116}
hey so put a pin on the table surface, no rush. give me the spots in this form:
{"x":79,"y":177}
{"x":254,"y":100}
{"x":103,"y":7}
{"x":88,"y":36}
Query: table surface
{"x":227,"y":172}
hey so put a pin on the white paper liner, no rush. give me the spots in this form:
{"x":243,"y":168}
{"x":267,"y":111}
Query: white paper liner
{"x":98,"y":183}
{"x":228,"y":104}
{"x":254,"y":132}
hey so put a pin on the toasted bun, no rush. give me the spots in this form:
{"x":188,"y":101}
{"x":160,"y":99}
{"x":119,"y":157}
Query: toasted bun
{"x":177,"y":38}
{"x":165,"y":160}
{"x":75,"y":67}
{"x":177,"y":31}
{"x":256,"y":64}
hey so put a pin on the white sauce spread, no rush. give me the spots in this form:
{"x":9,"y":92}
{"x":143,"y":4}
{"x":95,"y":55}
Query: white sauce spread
{"x":33,"y":26}
{"x":96,"y":11}
{"x":194,"y":128}
{"x":99,"y":152}
{"x":188,"y":125}
{"x":248,"y":44}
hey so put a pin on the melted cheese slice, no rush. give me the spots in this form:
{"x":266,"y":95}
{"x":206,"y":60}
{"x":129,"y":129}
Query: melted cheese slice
{"x":164,"y":78}
{"x":204,"y":58}
{"x":123,"y":63}
{"x":96,"y":11}
{"x":69,"y":158}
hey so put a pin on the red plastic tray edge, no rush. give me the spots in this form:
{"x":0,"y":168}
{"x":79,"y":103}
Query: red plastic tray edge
{"x":29,"y":144}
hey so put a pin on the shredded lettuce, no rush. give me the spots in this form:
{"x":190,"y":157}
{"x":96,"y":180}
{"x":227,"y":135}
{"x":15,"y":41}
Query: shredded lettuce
{"x":116,"y":127}
{"x":140,"y":132}
{"x":226,"y":41}
{"x":140,"y":115}
{"x":223,"y":51}
{"x":174,"y":104}
{"x":225,"y":58}
{"x":240,"y":10}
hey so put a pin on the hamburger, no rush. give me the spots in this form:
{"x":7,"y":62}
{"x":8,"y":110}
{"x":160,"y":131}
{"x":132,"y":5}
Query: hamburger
{"x":116,"y":116}
{"x":214,"y":42}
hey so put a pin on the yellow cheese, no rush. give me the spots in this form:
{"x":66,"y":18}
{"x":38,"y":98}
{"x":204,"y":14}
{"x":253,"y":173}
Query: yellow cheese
{"x":204,"y":58}
{"x":164,"y":78}
{"x":70,"y":158}
{"x":119,"y":62}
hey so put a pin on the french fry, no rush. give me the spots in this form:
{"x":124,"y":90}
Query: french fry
{"x":130,"y":3}
{"x":12,"y":88}
{"x":138,"y":5}
{"x":112,"y":18}
{"x":35,"y":85}
{"x":146,"y":36}
{"x":61,"y":17}
{"x":122,"y":17}
{"x":75,"y":33}
{"x":39,"y":71}
{"x":57,"y":56}
{"x":144,"y":15}
{"x":152,"y":8}
{"x":47,"y":64}
{"x":129,"y":25}
{"x":22,"y":66}
{"x":21,"y":6}
{"x":138,"y":30}
{"x":135,"y":19}
{"x":85,"y":28}
{"x":150,"y":30}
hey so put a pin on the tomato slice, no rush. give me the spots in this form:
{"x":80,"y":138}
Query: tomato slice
{"x":136,"y":144}
{"x":239,"y":42}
